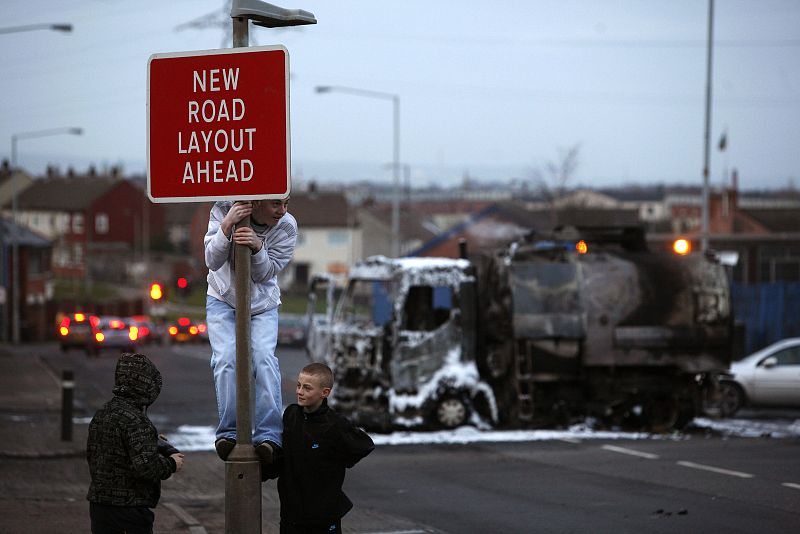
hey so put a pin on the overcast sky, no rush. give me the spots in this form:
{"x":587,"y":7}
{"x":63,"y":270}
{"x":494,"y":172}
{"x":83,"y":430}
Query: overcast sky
{"x":496,"y":89}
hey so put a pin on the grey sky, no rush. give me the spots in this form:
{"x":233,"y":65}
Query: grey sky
{"x":495,"y":88}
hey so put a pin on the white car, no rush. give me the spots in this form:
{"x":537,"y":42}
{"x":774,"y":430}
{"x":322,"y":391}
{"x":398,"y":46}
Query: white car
{"x":769,"y":377}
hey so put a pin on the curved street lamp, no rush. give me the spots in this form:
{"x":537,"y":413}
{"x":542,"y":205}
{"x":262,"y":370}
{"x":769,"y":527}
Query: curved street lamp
{"x":322,"y":89}
{"x":15,"y":244}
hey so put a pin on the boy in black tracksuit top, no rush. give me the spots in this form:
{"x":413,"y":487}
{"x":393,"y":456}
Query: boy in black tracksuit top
{"x":318,"y":445}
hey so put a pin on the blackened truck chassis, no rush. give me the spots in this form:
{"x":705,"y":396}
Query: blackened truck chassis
{"x":532,"y":335}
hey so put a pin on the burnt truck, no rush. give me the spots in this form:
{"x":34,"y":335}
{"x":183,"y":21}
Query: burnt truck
{"x":551,"y":329}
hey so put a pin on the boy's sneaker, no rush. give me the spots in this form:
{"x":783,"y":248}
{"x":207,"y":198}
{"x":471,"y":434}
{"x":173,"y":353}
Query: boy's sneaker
{"x":266,"y":451}
{"x":224,"y":447}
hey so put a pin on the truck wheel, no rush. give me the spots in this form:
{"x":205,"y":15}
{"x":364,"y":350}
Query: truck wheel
{"x":661,"y":414}
{"x":731,"y":398}
{"x":451,"y":412}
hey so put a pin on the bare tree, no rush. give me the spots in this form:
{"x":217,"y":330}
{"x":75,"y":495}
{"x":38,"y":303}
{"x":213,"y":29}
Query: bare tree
{"x":551,"y":183}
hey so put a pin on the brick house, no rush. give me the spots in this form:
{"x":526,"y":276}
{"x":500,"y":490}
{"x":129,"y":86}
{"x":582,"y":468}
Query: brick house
{"x":99,"y":225}
{"x":35,"y":284}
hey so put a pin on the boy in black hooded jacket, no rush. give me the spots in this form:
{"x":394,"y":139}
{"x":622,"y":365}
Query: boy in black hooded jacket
{"x":127,"y":460}
{"x":318,"y":445}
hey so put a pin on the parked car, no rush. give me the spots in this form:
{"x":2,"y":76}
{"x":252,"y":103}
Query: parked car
{"x":143,"y":329}
{"x":769,"y":377}
{"x":111,"y":333}
{"x":291,"y":330}
{"x":184,"y":330}
{"x":75,"y":330}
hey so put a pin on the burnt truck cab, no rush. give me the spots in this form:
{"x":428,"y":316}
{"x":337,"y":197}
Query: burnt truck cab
{"x":396,"y":342}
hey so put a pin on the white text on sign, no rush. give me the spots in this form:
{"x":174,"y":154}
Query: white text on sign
{"x":219,"y":140}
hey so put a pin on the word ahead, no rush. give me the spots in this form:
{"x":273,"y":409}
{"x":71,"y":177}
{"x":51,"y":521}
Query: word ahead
{"x":218,"y":125}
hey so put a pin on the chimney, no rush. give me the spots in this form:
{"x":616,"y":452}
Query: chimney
{"x":734,"y":192}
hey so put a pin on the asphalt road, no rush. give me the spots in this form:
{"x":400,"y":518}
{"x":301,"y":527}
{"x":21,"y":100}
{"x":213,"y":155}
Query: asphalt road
{"x":690,"y":483}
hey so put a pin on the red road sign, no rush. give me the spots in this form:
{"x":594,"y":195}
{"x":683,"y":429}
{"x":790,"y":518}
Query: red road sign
{"x":218,"y":125}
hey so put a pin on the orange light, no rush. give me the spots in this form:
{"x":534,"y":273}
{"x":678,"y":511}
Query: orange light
{"x":173,"y":330}
{"x":184,"y":321}
{"x":64,"y":330}
{"x":201,"y":328}
{"x":155,"y":291}
{"x":133,"y":333}
{"x":99,"y":337}
{"x":80,"y":317}
{"x":116,"y":324}
{"x":193,"y":330}
{"x":581,"y":247}
{"x":681,"y":246}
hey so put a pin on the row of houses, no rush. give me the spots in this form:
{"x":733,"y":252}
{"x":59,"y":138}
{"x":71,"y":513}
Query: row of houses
{"x":101,"y":227}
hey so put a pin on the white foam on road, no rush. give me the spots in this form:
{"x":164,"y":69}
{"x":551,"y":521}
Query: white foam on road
{"x":201,"y":438}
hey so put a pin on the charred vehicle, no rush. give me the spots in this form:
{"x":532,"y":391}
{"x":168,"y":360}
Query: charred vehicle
{"x":578,"y":323}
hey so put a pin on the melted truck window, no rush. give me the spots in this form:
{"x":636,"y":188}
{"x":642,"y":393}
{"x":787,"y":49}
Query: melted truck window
{"x":368,"y":302}
{"x":427,"y":308}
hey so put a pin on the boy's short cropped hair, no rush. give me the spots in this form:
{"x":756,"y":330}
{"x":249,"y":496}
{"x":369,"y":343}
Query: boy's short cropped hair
{"x":321,"y":371}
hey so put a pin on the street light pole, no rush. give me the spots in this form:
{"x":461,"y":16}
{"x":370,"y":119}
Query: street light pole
{"x":15,"y":286}
{"x":707,"y":134}
{"x":242,"y":469}
{"x":395,"y":150}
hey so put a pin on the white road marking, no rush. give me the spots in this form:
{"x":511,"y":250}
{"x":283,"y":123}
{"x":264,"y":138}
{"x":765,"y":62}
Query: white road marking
{"x":791,"y":485}
{"x":188,"y":519}
{"x":715,"y":469}
{"x":630,"y":452}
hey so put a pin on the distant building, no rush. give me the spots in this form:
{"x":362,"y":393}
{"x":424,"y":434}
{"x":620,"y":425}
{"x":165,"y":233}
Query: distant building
{"x":35,"y":284}
{"x":99,"y":225}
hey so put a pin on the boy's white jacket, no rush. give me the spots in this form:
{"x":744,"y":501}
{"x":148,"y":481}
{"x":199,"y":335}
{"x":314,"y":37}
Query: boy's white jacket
{"x":276,"y":252}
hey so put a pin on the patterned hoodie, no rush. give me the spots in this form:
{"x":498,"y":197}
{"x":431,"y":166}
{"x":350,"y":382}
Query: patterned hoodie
{"x":122,"y":449}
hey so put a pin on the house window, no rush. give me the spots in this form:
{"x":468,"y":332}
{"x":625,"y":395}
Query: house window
{"x":337,"y":238}
{"x":62,"y":224}
{"x":34,"y":261}
{"x":101,"y":223}
{"x":77,"y":223}
{"x":779,"y":263}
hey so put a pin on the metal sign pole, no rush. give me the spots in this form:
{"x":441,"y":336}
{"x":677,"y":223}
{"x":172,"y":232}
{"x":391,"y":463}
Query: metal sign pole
{"x":242,"y":469}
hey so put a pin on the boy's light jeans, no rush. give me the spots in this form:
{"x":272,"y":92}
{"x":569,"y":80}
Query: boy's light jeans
{"x":267,"y":417}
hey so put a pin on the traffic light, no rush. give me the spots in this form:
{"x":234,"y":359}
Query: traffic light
{"x":184,"y":287}
{"x":156,"y":291}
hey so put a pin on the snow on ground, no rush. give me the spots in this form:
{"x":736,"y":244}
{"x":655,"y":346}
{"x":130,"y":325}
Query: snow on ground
{"x":201,"y":438}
